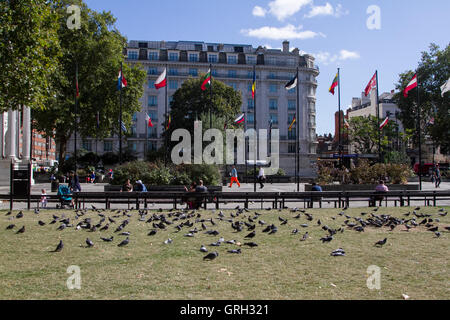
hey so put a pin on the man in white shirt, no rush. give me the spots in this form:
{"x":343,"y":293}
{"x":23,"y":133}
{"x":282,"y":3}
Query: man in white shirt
{"x":261,"y":177}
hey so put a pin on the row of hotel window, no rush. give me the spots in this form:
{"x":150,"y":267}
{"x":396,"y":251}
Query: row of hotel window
{"x":108,"y":146}
{"x":192,"y":57}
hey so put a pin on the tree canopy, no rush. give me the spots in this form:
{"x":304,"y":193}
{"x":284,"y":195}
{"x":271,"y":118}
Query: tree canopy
{"x":97,"y":49}
{"x":433,"y":71}
{"x":29,"y":49}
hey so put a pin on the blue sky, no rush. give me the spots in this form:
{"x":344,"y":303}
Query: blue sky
{"x":335,"y":32}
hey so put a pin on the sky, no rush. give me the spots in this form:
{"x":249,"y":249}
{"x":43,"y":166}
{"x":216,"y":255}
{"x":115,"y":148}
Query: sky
{"x":357,"y":36}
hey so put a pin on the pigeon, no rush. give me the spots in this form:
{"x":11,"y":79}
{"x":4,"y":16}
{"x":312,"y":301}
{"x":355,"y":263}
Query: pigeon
{"x":124,"y":234}
{"x":168,"y":241}
{"x":36,"y":211}
{"x":203,"y":249}
{"x":61,"y":227}
{"x":124,"y":242}
{"x":434,"y":229}
{"x":326,"y":239}
{"x":216,"y":244}
{"x":111,"y":220}
{"x":152,"y":232}
{"x":447,"y":228}
{"x":437,"y":234}
{"x":250,"y":244}
{"x":295,"y":231}
{"x":250,"y":235}
{"x":267,"y":229}
{"x":59,"y":247}
{"x":211,"y":256}
{"x":381,"y":242}
{"x":305,"y":237}
{"x":337,"y":253}
{"x":261,"y":222}
{"x":107,"y":239}
{"x":274,"y":230}
{"x":89,"y":243}
{"x":21,"y":230}
{"x":237,"y":251}
{"x":221,"y":240}
{"x":231,"y":242}
{"x":8,"y":213}
{"x":19,"y":215}
{"x":104,"y":228}
{"x":11,"y":226}
{"x":190,"y":235}
{"x":304,"y":225}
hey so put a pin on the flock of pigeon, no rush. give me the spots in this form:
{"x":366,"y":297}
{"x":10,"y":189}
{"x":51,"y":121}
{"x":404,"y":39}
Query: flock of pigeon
{"x":191,"y":223}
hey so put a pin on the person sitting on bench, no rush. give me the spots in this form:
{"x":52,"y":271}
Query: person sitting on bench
{"x":380,"y":188}
{"x":315,"y":188}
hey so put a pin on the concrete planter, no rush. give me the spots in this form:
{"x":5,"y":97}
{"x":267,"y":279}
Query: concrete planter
{"x":364,"y":187}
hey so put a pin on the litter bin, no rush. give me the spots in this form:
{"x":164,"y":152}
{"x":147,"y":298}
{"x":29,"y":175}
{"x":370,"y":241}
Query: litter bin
{"x":55,"y":185}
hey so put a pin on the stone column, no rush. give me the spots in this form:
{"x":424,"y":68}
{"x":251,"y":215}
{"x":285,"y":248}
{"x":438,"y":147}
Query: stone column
{"x":11,"y":151}
{"x":26,"y":138}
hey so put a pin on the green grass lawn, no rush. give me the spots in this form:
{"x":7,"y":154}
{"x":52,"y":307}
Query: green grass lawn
{"x":282,"y":267}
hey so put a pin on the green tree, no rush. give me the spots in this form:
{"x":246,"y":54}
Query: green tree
{"x":190,"y":103}
{"x":433,"y":71}
{"x":29,"y":49}
{"x":97,"y":48}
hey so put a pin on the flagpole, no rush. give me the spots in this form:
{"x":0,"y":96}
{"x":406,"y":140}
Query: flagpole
{"x":146,"y":137}
{"x":380,"y":160}
{"x":297,"y":139}
{"x":210,"y":96}
{"x":256,"y":134}
{"x":120,"y":113}
{"x":339,"y":119}
{"x":419,"y":134}
{"x":76,"y":117}
{"x":166,"y":128}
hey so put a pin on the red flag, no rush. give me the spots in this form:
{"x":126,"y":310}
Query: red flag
{"x":384,"y":123}
{"x":372,"y":84}
{"x":334,"y":84}
{"x":149,"y":121}
{"x":161,"y":82}
{"x":411,"y":85}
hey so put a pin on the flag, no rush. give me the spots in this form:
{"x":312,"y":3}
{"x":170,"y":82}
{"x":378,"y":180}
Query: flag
{"x":445,"y":87}
{"x":334,"y":84}
{"x":124,"y":128}
{"x":372,"y":84}
{"x":240,"y":119}
{"x":384,"y":123}
{"x":254,"y":84}
{"x":346,"y":124}
{"x":206,"y":80}
{"x":291,"y":84}
{"x":411,"y":85}
{"x":168,"y":122}
{"x":122,"y":82}
{"x":148,"y":120}
{"x":161,"y":82}
{"x":292,"y":124}
{"x":98,"y":119}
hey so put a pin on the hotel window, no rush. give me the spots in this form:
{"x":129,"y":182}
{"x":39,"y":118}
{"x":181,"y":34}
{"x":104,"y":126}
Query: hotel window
{"x":290,"y":118}
{"x":151,"y":84}
{"x":251,"y":59}
{"x":250,"y":104}
{"x":273,"y":88}
{"x":173,"y":84}
{"x":132,"y":55}
{"x":133,"y":130}
{"x":271,"y":61}
{"x":132,"y":146}
{"x":273,"y":104}
{"x":173,"y":72}
{"x":250,"y":118}
{"x":193,"y":57}
{"x":107,"y":146}
{"x":152,"y":101}
{"x":173,"y":56}
{"x":87,"y":145}
{"x":212,"y":58}
{"x":274,"y":118}
{"x":272,"y":75}
{"x":153,"y":55}
{"x":292,"y":134}
{"x":232,"y":59}
{"x":292,"y":104}
{"x":152,"y":133}
{"x":152,"y":71}
{"x":291,"y":148}
{"x":214,"y":73}
{"x":152,"y":146}
{"x":232,"y":73}
{"x":193,"y":72}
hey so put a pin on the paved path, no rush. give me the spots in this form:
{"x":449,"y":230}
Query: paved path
{"x":282,"y":187}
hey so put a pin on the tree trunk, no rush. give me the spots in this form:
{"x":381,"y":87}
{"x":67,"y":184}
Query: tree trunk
{"x":62,"y":150}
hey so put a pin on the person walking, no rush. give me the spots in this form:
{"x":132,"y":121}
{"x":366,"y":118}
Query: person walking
{"x":74,"y":182}
{"x":43,"y":198}
{"x":437,"y":177}
{"x":261,"y":177}
{"x":234,"y":177}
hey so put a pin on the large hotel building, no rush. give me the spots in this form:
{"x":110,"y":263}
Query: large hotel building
{"x":233,"y":65}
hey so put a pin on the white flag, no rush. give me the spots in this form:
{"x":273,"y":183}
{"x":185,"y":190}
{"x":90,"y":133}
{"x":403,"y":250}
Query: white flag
{"x":445,"y":87}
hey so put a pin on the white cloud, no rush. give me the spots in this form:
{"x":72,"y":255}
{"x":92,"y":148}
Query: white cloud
{"x":345,"y":55}
{"x":259,"y":12}
{"x":327,"y":58}
{"x":326,"y":10}
{"x":287,"y":32}
{"x":283,"y":9}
